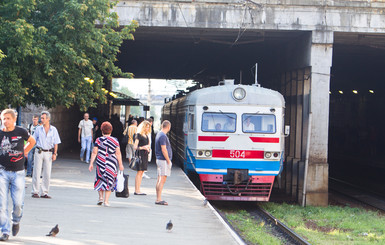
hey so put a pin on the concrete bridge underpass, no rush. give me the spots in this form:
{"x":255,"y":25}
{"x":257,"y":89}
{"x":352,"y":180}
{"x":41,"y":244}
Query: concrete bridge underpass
{"x":308,"y":50}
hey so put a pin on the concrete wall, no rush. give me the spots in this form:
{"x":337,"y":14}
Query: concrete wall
{"x":306,"y":15}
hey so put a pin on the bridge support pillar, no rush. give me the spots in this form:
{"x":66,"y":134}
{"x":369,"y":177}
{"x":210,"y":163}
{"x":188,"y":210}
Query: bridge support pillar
{"x":321,"y":52}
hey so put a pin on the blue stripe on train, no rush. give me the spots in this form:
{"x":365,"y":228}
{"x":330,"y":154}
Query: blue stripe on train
{"x":225,"y":164}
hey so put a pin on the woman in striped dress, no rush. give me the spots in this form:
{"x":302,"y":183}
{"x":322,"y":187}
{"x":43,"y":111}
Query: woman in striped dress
{"x":107,"y":154}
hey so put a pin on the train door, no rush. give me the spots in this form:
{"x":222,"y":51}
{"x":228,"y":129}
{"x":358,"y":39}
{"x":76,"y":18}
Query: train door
{"x":190,"y":136}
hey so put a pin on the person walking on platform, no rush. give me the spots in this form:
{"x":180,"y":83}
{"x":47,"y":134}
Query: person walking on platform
{"x":12,"y":173}
{"x":94,"y":129}
{"x":47,"y":140}
{"x":108,"y":156}
{"x":163,"y":154}
{"x":142,"y":143}
{"x":131,"y":131}
{"x":85,"y":135}
{"x":31,"y":130}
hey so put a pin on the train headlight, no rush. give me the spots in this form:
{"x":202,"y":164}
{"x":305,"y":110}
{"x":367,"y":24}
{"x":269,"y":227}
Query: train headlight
{"x":268,"y":154}
{"x":239,"y":93}
{"x":200,"y":153}
{"x":208,"y":153}
{"x":276,"y":154}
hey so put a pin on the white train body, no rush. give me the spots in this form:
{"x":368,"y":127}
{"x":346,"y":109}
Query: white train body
{"x":234,"y":144}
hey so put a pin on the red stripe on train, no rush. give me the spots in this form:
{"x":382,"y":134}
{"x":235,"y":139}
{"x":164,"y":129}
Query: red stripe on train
{"x":238,"y":154}
{"x":264,"y":140}
{"x":212,"y":138}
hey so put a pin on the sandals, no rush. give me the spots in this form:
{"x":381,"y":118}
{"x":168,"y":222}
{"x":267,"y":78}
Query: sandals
{"x":140,"y":194}
{"x":107,"y":204}
{"x":100,"y":202}
{"x":161,"y":203}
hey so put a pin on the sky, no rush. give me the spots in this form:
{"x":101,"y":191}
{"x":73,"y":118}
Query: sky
{"x":161,"y":86}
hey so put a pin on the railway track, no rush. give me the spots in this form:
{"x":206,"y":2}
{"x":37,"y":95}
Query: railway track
{"x":277,"y":228}
{"x":356,"y":193}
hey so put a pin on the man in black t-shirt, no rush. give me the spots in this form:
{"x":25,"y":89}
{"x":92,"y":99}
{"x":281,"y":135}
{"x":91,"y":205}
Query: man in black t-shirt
{"x":12,"y":176}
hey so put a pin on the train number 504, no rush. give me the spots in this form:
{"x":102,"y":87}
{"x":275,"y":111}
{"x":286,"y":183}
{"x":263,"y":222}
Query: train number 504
{"x":237,"y":154}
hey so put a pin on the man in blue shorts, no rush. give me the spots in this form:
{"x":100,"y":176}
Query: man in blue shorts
{"x":163,"y":154}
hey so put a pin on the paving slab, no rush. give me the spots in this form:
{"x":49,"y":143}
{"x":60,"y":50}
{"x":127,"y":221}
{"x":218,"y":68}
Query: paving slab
{"x":133,"y":220}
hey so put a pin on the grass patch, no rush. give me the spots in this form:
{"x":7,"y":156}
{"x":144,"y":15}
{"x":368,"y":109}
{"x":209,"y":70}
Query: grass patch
{"x":250,"y":229}
{"x":333,"y":224}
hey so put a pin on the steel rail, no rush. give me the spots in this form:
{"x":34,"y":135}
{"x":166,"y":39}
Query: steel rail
{"x":360,"y":198}
{"x":283,"y":227}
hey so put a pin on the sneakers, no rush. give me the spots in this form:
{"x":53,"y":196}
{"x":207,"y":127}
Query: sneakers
{"x":146,"y":176}
{"x":4,"y":237}
{"x":82,"y":159}
{"x":15,"y":229}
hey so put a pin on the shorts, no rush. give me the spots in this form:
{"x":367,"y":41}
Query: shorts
{"x":163,"y":168}
{"x":130,"y":151}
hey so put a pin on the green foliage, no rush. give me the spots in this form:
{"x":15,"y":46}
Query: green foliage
{"x":252,"y":231}
{"x":333,"y":224}
{"x":1,"y":55}
{"x":50,"y":46}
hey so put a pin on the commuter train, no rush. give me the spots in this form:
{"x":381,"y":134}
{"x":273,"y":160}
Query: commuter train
{"x":232,"y":136}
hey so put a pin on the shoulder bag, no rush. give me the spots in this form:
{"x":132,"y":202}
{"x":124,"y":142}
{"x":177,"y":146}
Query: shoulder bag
{"x":135,"y":161}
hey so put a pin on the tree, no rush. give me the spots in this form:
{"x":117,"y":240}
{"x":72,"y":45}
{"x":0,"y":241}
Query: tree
{"x":50,"y":46}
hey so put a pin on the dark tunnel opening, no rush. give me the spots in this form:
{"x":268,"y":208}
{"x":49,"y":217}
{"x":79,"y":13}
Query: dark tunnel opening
{"x":356,"y":132}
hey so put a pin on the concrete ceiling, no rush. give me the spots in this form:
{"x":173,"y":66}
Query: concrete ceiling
{"x":204,"y":55}
{"x":208,"y":55}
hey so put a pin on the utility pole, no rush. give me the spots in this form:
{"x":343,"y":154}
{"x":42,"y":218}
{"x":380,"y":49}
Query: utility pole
{"x":148,"y":96}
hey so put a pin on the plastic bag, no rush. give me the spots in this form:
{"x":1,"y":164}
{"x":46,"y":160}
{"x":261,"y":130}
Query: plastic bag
{"x":120,"y":182}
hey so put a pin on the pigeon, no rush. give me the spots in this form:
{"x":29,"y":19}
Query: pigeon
{"x":54,"y":231}
{"x":205,"y":202}
{"x":169,"y":226}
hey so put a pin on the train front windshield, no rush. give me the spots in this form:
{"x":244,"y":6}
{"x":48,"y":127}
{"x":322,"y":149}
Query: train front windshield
{"x":219,"y":122}
{"x":258,"y":123}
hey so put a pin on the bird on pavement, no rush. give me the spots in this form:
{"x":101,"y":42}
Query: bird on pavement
{"x":169,"y":226}
{"x":54,"y":231}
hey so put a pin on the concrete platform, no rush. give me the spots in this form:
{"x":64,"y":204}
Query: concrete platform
{"x":135,"y":220}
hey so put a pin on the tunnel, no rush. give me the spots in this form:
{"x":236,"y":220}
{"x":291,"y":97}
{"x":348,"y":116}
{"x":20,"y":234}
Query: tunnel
{"x":211,"y":55}
{"x":356,"y":132}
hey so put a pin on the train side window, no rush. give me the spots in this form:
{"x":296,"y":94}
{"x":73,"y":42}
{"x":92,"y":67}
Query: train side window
{"x":219,"y":122}
{"x":191,"y":122}
{"x":259,"y":123}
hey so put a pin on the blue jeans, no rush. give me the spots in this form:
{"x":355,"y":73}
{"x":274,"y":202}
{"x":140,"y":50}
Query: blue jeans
{"x":86,"y":145}
{"x":31,"y":154}
{"x":13,"y":182}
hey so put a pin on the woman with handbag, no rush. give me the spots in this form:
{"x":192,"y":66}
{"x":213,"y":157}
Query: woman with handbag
{"x":142,"y":144}
{"x":107,"y":154}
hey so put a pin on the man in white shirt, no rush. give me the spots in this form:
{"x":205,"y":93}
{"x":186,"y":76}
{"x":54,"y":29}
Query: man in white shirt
{"x":248,"y":126}
{"x":85,"y":137}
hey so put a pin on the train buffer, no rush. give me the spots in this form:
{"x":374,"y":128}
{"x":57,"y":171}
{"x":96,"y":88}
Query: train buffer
{"x":133,"y":220}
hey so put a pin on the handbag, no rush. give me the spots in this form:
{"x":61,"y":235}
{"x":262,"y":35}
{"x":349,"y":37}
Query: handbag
{"x":125,"y":193}
{"x":125,"y":139}
{"x":135,"y":161}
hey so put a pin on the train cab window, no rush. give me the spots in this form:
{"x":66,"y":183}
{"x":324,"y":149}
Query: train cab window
{"x":258,"y":123}
{"x":219,"y":122}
